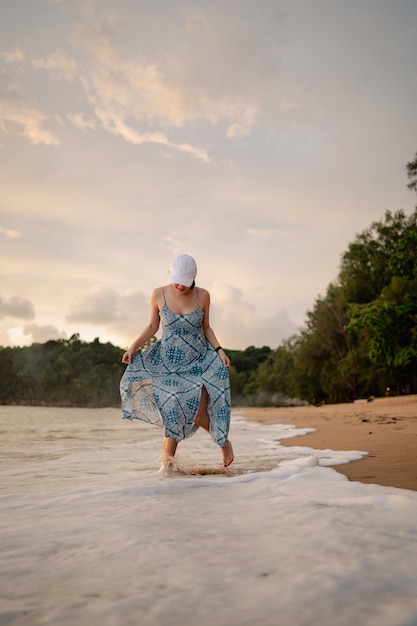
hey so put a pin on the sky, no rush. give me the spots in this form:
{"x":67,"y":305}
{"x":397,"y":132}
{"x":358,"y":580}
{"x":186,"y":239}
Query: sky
{"x":259,"y":137}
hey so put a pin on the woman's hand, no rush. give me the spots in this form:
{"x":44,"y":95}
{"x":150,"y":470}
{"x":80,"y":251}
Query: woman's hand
{"x":224,"y":358}
{"x":127,"y":357}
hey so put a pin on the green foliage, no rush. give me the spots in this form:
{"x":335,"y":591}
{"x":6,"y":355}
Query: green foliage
{"x":273,"y":374}
{"x":243,"y":364}
{"x":368,"y":264}
{"x":412,"y":173}
{"x":61,"y":373}
{"x":245,"y":361}
{"x":387,"y":322}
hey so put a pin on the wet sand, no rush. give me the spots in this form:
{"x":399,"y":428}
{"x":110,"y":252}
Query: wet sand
{"x":386,"y":428}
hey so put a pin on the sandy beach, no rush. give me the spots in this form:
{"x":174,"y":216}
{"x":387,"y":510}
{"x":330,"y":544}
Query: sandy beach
{"x":386,"y":428}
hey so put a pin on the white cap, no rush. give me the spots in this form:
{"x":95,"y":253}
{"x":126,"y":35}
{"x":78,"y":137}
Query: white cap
{"x":183,"y":270}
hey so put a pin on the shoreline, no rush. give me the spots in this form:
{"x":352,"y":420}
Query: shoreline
{"x":386,"y":428}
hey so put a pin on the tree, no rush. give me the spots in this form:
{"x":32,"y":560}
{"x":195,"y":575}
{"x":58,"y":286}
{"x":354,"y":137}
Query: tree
{"x":412,"y":173}
{"x":273,"y":377}
{"x":243,"y":364}
{"x":322,"y":349}
{"x":389,"y":318}
{"x":365,"y":267}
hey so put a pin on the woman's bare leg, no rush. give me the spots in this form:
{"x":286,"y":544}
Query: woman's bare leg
{"x":202,"y":419}
{"x":169,"y":447}
{"x":227,"y":454}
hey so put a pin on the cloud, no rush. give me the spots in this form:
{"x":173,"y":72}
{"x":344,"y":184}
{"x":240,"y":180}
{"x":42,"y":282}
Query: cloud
{"x":13,"y":56}
{"x":41,"y":333}
{"x":81,"y":121}
{"x":269,"y":233}
{"x":244,"y":124}
{"x":124,"y":315}
{"x":116,"y":125}
{"x":238,"y":324}
{"x":100,"y":306}
{"x":10,"y":234}
{"x":176,"y":82}
{"x":287,"y":105}
{"x":30,"y":119}
{"x":171,"y":82}
{"x":20,"y":308}
{"x":61,"y":65}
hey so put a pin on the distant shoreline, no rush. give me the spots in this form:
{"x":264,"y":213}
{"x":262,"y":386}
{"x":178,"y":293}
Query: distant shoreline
{"x":386,"y":428}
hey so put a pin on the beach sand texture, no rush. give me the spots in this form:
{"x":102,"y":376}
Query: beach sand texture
{"x":385,"y":427}
{"x":91,"y":534}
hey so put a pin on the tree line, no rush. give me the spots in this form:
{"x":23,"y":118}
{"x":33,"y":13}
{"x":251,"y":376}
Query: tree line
{"x":63,"y":372}
{"x":359,"y":339}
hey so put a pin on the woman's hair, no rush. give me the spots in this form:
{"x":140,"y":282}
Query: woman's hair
{"x":192,"y":285}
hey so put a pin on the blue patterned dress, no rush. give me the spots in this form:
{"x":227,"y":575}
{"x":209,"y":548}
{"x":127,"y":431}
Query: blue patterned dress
{"x":163,"y":384}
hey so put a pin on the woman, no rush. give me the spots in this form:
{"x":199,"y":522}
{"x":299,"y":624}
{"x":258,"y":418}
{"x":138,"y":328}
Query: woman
{"x":181,"y":382}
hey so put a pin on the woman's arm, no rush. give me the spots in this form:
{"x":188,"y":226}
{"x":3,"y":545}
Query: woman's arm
{"x":209,"y":332}
{"x":148,"y":332}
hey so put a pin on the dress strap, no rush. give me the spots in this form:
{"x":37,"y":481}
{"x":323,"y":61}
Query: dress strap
{"x":163,"y":291}
{"x":197,"y":294}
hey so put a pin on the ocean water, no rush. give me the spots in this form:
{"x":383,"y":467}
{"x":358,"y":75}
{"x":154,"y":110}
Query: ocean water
{"x":91,"y":533}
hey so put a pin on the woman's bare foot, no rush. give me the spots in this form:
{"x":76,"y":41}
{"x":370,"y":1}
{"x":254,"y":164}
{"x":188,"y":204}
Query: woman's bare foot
{"x":227,"y":454}
{"x":168,"y":466}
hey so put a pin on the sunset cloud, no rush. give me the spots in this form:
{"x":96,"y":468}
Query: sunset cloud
{"x":10,"y":234}
{"x":59,"y":63}
{"x":123,"y":315}
{"x":231,"y":311}
{"x":39,"y":333}
{"x":31,"y":122}
{"x":16,"y":307}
